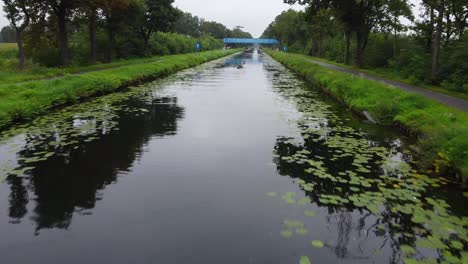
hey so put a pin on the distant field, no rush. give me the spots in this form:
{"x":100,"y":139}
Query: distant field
{"x":7,"y":46}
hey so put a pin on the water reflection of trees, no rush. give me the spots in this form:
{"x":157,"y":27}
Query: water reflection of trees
{"x":71,"y":182}
{"x":346,"y":220}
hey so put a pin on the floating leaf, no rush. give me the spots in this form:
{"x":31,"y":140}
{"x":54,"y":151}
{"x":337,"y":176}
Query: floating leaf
{"x":456,"y":245}
{"x":309,"y":213}
{"x":304,"y":260}
{"x":317,"y":243}
{"x":286,"y":233}
{"x":304,"y":201}
{"x":272,"y":194}
{"x":408,"y":250}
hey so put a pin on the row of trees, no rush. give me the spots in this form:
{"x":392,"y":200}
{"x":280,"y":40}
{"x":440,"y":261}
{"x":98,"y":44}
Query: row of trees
{"x":7,"y":35}
{"x":57,"y":32}
{"x":194,"y":26}
{"x":372,"y":32}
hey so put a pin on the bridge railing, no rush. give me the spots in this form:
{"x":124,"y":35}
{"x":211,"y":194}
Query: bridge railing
{"x":251,"y":41}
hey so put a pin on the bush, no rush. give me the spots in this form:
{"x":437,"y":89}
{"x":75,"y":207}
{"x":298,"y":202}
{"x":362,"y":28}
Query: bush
{"x":172,"y":43}
{"x":455,"y":67}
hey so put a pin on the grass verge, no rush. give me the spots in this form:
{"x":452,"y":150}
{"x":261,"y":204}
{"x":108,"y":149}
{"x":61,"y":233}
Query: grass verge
{"x":442,"y":131}
{"x":390,"y":75}
{"x":7,"y":46}
{"x":32,"y":98}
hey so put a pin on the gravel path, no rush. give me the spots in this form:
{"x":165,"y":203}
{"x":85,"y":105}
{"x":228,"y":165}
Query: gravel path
{"x":442,"y":98}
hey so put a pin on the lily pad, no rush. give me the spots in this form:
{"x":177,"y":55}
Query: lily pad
{"x":456,"y":245}
{"x":309,"y":213}
{"x":408,"y":250}
{"x":304,"y":260}
{"x":317,"y":243}
{"x":286,"y":233}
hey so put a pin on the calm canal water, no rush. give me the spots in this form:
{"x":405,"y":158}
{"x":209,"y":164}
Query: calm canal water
{"x":220,"y":165}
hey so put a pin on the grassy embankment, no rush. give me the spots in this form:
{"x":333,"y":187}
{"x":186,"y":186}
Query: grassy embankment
{"x":9,"y":65}
{"x":390,"y":75}
{"x":31,"y":98}
{"x":442,"y":131}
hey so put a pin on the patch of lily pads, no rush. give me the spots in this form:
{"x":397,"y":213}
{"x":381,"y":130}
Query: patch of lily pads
{"x":345,"y":169}
{"x":293,"y":227}
{"x":65,"y":130}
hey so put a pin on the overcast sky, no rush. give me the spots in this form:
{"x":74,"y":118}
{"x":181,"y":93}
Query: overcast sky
{"x":254,"y":15}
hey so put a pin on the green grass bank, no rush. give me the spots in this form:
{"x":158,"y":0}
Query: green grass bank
{"x":25,"y":100}
{"x":442,"y":131}
{"x":392,"y":75}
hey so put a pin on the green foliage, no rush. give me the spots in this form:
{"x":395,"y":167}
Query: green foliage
{"x":29,"y":99}
{"x":320,"y":31}
{"x":442,"y":130}
{"x":172,"y":43}
{"x":289,"y":28}
{"x":455,"y":68}
{"x":8,"y":54}
{"x":80,"y":32}
{"x":7,"y":35}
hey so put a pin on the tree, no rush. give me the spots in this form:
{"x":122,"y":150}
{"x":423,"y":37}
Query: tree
{"x":237,"y":32}
{"x":18,"y":13}
{"x":63,"y":9}
{"x":216,"y":30}
{"x":395,"y":10}
{"x":439,"y":6}
{"x":159,"y":15}
{"x":187,"y":24}
{"x":8,"y":34}
{"x":321,"y":22}
{"x":114,"y":14}
{"x":90,"y":9}
{"x":358,"y":16}
{"x":290,"y":28}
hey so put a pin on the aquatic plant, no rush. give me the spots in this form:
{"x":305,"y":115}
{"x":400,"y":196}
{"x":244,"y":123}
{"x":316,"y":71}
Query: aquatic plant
{"x":442,"y":130}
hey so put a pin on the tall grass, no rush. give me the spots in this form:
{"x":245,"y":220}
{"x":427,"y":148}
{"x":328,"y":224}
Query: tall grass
{"x":29,"y":99}
{"x":442,"y":131}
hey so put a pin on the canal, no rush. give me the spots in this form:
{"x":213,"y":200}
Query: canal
{"x":221,"y":164}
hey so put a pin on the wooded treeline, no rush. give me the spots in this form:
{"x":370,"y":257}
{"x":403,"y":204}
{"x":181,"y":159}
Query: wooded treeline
{"x":65,"y":32}
{"x":431,"y":47}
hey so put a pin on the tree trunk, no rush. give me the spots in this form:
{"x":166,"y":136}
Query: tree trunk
{"x":348,"y":40}
{"x":436,"y":44}
{"x":111,"y":46}
{"x":358,"y":59}
{"x":22,"y":55}
{"x":63,"y":39}
{"x":431,"y":33}
{"x":395,"y":40}
{"x":146,"y":38}
{"x":145,"y":46}
{"x":92,"y":36}
{"x":319,"y":48}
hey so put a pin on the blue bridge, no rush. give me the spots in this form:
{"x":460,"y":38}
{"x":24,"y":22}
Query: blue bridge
{"x":251,"y":41}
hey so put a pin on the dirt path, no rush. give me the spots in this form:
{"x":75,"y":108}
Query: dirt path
{"x":442,"y":98}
